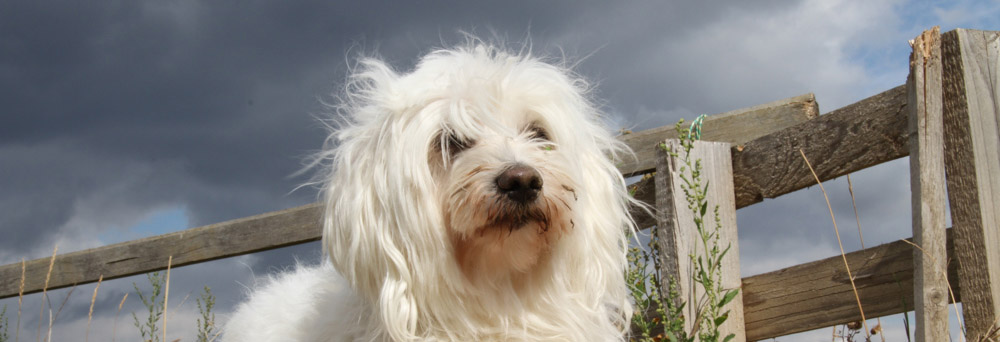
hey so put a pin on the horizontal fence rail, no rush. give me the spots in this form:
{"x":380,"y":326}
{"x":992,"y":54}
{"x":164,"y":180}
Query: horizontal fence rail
{"x":735,"y":127}
{"x":221,"y":240}
{"x":864,"y":134}
{"x":818,"y":294}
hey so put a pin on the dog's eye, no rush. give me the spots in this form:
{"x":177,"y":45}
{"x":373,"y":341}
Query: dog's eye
{"x":455,"y":145}
{"x":538,"y":133}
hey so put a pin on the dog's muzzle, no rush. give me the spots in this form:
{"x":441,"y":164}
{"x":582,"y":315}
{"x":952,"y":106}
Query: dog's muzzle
{"x":519,"y":183}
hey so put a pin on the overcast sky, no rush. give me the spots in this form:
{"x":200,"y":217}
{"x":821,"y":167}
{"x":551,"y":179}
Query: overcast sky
{"x":128,"y":119}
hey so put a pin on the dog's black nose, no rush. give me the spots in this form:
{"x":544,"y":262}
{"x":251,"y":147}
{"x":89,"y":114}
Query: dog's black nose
{"x":520,"y":183}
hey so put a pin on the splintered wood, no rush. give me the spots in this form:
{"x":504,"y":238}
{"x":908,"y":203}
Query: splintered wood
{"x":930,"y":281}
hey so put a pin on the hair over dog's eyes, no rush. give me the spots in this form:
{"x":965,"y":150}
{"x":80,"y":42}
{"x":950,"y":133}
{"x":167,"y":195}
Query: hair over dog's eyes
{"x":538,"y":133}
{"x":454,"y":145}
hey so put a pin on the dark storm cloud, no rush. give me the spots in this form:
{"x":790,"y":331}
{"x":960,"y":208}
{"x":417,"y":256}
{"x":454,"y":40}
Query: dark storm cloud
{"x":226,"y":92}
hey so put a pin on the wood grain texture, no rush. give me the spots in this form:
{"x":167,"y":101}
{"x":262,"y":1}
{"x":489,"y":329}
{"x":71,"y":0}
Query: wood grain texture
{"x":674,"y":256}
{"x":735,"y":127}
{"x":818,"y":294}
{"x":855,"y":137}
{"x":236,"y":237}
{"x":864,"y":134}
{"x":971,"y":78}
{"x":927,"y":186}
{"x":679,"y":234}
{"x":644,"y":191}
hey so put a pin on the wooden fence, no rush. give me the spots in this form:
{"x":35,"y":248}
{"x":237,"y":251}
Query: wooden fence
{"x":946,"y":118}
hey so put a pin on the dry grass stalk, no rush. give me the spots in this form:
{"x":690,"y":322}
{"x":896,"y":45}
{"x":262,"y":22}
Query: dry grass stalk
{"x":52,"y":319}
{"x":114,"y":329}
{"x":992,"y":335}
{"x":166,"y":294}
{"x":20,"y":299}
{"x":837,"y":231}
{"x":90,"y":314}
{"x":181,"y":304}
{"x":48,"y":336}
{"x":850,"y":189}
{"x":45,"y":289}
{"x":951,"y":293}
{"x":861,"y":236}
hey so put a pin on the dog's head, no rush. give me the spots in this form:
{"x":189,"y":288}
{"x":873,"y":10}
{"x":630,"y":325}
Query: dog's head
{"x":480,"y":174}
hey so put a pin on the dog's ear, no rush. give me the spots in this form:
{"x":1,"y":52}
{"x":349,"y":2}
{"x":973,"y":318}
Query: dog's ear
{"x":379,"y":200}
{"x":602,"y":216}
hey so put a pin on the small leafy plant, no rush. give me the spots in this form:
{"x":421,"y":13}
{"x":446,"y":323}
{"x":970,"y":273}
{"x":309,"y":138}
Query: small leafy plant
{"x":665,"y":306}
{"x":645,"y":288}
{"x":206,"y":324}
{"x":154,"y":304}
{"x":4,"y":324}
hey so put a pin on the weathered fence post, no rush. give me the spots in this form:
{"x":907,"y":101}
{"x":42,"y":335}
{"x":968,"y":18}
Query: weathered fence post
{"x":930,"y":280}
{"x":677,"y":232}
{"x":972,"y":110}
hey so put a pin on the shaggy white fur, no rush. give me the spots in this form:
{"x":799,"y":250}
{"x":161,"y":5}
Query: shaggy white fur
{"x":472,"y":199}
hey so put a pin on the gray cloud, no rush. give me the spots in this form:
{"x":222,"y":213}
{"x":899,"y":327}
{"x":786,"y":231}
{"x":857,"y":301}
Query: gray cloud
{"x":213,"y":103}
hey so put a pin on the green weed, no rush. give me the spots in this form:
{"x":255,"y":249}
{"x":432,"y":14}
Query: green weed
{"x":206,"y":324}
{"x":153,"y":304}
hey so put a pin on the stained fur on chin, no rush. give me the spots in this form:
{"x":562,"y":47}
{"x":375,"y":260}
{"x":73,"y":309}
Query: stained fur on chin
{"x":433,"y":236}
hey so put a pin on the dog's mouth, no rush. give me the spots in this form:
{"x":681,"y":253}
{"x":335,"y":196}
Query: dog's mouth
{"x":511,"y":213}
{"x":516,"y":216}
{"x":503,"y":233}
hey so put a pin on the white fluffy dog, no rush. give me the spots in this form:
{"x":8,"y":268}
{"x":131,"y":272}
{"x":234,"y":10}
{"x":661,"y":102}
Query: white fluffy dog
{"x":473,"y":199}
